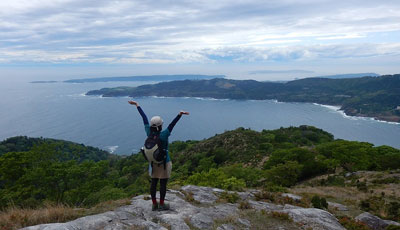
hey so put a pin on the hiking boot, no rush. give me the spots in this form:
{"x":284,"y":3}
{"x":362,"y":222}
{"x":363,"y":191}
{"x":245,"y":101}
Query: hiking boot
{"x":154,"y":207}
{"x":163,"y":207}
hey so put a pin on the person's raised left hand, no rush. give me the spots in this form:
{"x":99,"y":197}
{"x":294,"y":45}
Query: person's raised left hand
{"x":133,"y":103}
{"x":183,"y":113}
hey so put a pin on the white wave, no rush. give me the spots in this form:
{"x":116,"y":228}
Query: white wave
{"x":332,"y":107}
{"x":160,"y":97}
{"x":197,"y":98}
{"x":209,"y":99}
{"x":111,"y":149}
{"x":341,"y":112}
{"x":275,"y":101}
{"x":76,"y":95}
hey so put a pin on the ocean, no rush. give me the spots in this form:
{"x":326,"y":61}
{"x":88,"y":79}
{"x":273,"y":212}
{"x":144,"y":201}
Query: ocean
{"x":62,"y":111}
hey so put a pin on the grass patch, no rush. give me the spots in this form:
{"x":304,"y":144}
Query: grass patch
{"x":265,"y":196}
{"x":244,"y":205}
{"x":281,"y":216}
{"x":352,"y":224}
{"x":189,"y":197}
{"x":228,"y":197}
{"x":267,"y":220}
{"x":231,"y":220}
{"x":15,"y":218}
{"x":277,"y":198}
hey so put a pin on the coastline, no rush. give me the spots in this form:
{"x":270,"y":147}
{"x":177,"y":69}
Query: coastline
{"x":343,"y":113}
{"x":335,"y":108}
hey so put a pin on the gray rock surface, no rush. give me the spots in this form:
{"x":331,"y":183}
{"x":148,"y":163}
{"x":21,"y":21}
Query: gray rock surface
{"x":292,"y":196}
{"x":202,"y":214}
{"x":260,"y":205}
{"x":314,"y":218}
{"x":203,"y":195}
{"x":201,"y":221}
{"x":337,"y":206}
{"x":375,"y":222}
{"x":226,"y":227}
{"x":244,"y":222}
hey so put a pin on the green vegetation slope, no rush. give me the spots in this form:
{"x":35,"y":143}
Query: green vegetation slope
{"x":35,"y":171}
{"x":65,"y":150}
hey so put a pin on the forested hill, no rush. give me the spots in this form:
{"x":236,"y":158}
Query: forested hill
{"x":377,"y":97}
{"x":275,"y":160}
{"x":63,"y":150}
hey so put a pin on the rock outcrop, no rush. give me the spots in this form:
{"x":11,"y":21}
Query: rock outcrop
{"x":375,"y":222}
{"x":339,"y":207}
{"x":195,"y":207}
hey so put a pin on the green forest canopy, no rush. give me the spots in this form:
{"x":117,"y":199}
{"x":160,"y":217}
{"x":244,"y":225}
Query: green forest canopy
{"x":37,"y":170}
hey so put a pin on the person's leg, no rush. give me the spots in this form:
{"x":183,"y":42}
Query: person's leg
{"x":153,"y":190}
{"x":163,"y":190}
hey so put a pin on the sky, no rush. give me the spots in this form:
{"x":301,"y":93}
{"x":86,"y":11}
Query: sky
{"x":268,"y":40}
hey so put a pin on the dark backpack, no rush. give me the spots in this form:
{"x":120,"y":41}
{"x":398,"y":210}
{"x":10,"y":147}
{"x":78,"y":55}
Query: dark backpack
{"x":153,"y":150}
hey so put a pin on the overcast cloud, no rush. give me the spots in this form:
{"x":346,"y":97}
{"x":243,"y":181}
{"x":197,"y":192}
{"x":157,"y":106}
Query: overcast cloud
{"x":198,"y":32}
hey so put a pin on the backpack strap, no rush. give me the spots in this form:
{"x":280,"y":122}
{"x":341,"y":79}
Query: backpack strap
{"x":144,"y":155}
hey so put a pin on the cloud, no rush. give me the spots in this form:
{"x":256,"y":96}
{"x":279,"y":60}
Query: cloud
{"x":132,"y":53}
{"x":185,"y":31}
{"x":279,"y":71}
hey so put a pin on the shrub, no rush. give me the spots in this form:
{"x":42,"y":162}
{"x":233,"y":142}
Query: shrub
{"x":362,"y":186}
{"x":394,"y":210}
{"x":319,"y":202}
{"x":216,"y":178}
{"x":332,"y":181}
{"x":230,"y":197}
{"x":388,"y":180}
{"x":105,"y":194}
{"x":281,"y":216}
{"x":244,"y":205}
{"x":205,"y":164}
{"x":233,"y":184}
{"x":373,"y":204}
{"x":365,"y":205}
{"x":265,"y":195}
{"x":275,"y":188}
{"x":251,"y":176}
{"x":284,"y":174}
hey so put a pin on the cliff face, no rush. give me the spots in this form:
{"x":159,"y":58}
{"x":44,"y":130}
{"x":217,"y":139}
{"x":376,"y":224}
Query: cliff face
{"x":194,"y":207}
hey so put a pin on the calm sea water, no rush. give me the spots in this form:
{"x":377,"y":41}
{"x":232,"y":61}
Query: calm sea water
{"x":60,"y":110}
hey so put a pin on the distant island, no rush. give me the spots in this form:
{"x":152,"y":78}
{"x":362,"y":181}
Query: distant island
{"x":147,"y":78}
{"x":349,"y":75}
{"x":43,"y":81}
{"x":377,"y":97}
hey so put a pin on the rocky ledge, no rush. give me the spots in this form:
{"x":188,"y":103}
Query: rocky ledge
{"x":194,"y":207}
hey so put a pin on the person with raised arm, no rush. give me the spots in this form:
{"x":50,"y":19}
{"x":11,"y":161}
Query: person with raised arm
{"x":159,"y":172}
